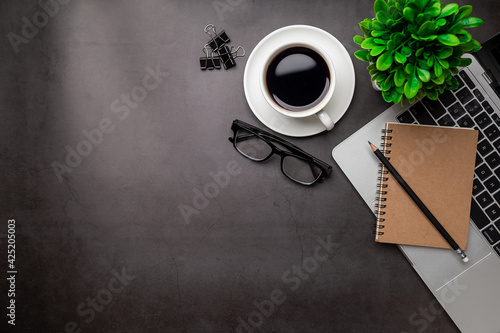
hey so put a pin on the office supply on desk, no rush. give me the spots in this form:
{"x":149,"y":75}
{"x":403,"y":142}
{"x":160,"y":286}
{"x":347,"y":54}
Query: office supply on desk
{"x":227,"y":55}
{"x":438,"y":162}
{"x":409,"y":220}
{"x":209,"y":61}
{"x":217,"y":44}
{"x":259,"y":145}
{"x":475,"y":104}
{"x":217,"y":40}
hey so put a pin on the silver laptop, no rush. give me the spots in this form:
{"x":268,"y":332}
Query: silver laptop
{"x":469,"y":292}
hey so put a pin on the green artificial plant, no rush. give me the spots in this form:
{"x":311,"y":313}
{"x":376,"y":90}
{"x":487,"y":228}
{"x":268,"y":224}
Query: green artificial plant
{"x":414,"y":47}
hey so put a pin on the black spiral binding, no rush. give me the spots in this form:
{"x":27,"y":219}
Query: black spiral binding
{"x":382,"y":188}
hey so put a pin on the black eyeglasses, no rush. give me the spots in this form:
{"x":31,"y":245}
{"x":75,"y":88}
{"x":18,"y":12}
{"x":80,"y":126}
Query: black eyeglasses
{"x":296,"y":164}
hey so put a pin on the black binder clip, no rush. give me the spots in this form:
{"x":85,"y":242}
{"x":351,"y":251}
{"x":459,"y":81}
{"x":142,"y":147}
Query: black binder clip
{"x":217,"y":39}
{"x":209,"y":62}
{"x":227,"y":55}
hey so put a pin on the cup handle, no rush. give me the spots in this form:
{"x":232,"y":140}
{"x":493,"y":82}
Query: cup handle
{"x":325,"y":119}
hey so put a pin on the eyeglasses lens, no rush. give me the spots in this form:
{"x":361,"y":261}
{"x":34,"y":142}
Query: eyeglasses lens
{"x":251,"y":145}
{"x":301,"y":170}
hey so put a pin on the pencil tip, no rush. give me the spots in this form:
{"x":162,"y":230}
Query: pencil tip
{"x":369,"y":142}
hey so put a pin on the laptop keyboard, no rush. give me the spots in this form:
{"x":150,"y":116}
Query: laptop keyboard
{"x":467,"y":107}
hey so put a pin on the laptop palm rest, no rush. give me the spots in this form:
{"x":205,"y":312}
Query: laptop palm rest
{"x":441,"y":266}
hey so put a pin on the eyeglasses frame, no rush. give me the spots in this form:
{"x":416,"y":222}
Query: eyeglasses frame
{"x":295,"y":151}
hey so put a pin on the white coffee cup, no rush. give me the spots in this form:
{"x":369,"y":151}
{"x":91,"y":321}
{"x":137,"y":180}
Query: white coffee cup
{"x":316,"y":108}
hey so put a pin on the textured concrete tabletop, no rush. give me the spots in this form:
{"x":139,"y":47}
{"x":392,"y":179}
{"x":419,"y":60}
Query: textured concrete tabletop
{"x":134,"y":213}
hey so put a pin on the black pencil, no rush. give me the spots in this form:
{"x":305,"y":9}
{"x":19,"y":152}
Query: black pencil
{"x":419,"y":203}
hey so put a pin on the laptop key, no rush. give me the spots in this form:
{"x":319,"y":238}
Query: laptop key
{"x":487,"y":107}
{"x":496,"y":144}
{"x":446,"y":120}
{"x":447,"y":98}
{"x":480,"y":134}
{"x":465,"y":121}
{"x":493,"y":212}
{"x":435,"y":108}
{"x":484,"y":147}
{"x":467,"y":79}
{"x":478,"y":216}
{"x":456,"y":110}
{"x":477,"y":187}
{"x":478,"y":95}
{"x":464,"y":95}
{"x":492,"y":132}
{"x":491,"y":234}
{"x":479,"y":160}
{"x":497,"y":248}
{"x":406,"y":117}
{"x":460,"y":82}
{"x":493,"y":160}
{"x":492,"y":184}
{"x":496,"y":119}
{"x":483,"y":120}
{"x":420,"y":113}
{"x":483,"y":172}
{"x":473,"y":107}
{"x":484,"y":199}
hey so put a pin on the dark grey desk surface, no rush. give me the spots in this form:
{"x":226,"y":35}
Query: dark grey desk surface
{"x":106,"y":249}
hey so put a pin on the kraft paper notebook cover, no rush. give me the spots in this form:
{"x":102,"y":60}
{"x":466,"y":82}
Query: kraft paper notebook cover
{"x":438,"y":164}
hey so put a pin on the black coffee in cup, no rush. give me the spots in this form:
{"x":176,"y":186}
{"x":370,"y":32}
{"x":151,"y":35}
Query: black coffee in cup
{"x":298,"y":78}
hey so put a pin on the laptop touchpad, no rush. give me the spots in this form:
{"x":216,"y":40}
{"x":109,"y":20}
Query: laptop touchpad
{"x":439,"y":266}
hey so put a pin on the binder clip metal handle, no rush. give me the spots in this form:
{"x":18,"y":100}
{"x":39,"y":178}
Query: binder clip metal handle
{"x":228,"y":55}
{"x":209,"y":62}
{"x":217,"y":40}
{"x":235,"y":54}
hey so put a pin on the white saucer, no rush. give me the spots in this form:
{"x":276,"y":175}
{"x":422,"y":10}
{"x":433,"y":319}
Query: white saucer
{"x":344,"y":88}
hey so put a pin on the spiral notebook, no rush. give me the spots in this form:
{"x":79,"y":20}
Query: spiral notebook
{"x":438,"y":164}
